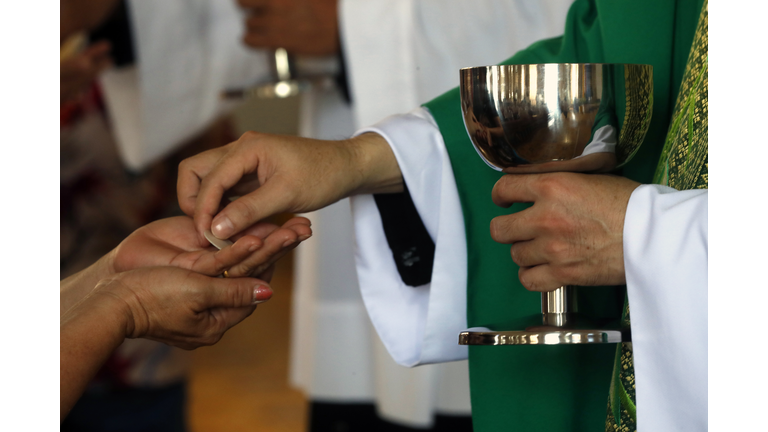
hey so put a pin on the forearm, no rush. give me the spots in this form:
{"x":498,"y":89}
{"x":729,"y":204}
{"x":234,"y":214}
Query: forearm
{"x":89,"y":332}
{"x":376,"y":165}
{"x":76,"y":287}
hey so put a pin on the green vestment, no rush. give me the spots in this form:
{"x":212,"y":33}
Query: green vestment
{"x":683,"y":165}
{"x":557,"y":388}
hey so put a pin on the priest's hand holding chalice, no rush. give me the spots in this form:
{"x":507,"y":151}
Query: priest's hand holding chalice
{"x":527,"y":120}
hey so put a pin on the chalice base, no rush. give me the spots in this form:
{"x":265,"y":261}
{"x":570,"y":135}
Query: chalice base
{"x":576,"y":330}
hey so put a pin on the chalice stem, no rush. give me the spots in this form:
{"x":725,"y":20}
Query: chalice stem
{"x":558,"y":306}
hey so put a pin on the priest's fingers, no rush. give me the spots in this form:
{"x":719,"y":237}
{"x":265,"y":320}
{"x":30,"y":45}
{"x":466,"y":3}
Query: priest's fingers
{"x":515,"y":188}
{"x":513,"y":228}
{"x":266,"y":201}
{"x":541,"y":278}
{"x":595,"y":162}
{"x":532,"y":253}
{"x":191,"y":172}
{"x":227,"y":172}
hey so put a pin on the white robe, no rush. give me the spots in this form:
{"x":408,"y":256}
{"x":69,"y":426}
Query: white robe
{"x":399,"y":53}
{"x":665,"y":253}
{"x":187,"y":52}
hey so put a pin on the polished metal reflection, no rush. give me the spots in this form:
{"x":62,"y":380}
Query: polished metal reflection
{"x":285,"y":82}
{"x":542,"y":336}
{"x":556,"y":117}
{"x":542,"y":113}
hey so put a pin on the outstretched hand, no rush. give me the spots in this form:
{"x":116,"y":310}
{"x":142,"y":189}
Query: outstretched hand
{"x":180,"y":307}
{"x":573,"y":233}
{"x":275,"y":174}
{"x":168,"y":304}
{"x":174,"y":242}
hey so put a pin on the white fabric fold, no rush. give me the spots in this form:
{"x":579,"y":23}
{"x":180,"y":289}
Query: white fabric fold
{"x":187,"y":52}
{"x":665,"y":257}
{"x":603,"y":141}
{"x":402,"y":53}
{"x":418,"y":325}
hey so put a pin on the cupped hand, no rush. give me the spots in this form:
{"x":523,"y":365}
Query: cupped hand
{"x":174,"y":242}
{"x":180,"y":307}
{"x":300,"y":26}
{"x":277,"y":174}
{"x":573,"y":233}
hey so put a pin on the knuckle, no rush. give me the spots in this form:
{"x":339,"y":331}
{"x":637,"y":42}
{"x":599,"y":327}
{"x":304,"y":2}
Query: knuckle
{"x":500,"y":228}
{"x":248,"y":136}
{"x":241,"y":209}
{"x":550,"y":185}
{"x":555,"y":250}
{"x":184,"y":165}
{"x":564,"y":275}
{"x":525,"y":279}
{"x":517,"y":255}
{"x":212,"y":339}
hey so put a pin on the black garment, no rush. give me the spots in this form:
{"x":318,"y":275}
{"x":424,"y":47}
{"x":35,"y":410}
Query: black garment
{"x":330,"y":417}
{"x":130,"y":410}
{"x":117,"y":30}
{"x":412,"y":248}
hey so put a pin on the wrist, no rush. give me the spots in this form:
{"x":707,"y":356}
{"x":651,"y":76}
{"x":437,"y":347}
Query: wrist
{"x":373,"y":159}
{"x":114,"y":299}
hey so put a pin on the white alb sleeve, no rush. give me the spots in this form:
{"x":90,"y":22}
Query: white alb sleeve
{"x":418,"y":325}
{"x":665,"y":257}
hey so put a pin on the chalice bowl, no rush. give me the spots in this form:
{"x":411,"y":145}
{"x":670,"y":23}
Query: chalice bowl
{"x":577,"y":117}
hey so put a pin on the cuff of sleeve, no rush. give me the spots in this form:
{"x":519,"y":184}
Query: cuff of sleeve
{"x":665,"y":258}
{"x":418,"y":325}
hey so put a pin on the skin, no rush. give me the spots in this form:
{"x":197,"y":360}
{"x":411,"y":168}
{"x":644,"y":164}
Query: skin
{"x":308,"y":27}
{"x":174,"y":242}
{"x":573,"y":233}
{"x":176,"y":306}
{"x":158,"y":284}
{"x":274,"y":174}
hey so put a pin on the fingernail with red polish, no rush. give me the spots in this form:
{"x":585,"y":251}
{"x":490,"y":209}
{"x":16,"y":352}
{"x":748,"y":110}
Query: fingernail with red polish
{"x":261,"y":294}
{"x":222,"y":227}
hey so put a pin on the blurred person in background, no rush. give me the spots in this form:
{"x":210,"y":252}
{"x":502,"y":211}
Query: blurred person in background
{"x":122,"y":137}
{"x":389,"y":56}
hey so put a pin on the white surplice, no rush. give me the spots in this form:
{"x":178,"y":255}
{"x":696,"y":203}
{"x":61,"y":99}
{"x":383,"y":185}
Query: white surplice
{"x":399,"y":54}
{"x":665,"y":253}
{"x":186,"y":52}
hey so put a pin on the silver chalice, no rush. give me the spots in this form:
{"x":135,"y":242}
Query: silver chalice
{"x":556,"y":117}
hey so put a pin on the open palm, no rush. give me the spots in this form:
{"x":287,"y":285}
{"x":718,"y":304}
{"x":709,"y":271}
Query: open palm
{"x":175,"y":242}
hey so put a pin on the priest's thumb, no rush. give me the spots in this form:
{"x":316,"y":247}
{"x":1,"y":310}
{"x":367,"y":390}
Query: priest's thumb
{"x":245,"y":211}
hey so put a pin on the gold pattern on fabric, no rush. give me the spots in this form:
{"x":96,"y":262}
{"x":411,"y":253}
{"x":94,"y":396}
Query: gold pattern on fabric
{"x":683,"y":165}
{"x":638,"y":85}
{"x":684,"y":162}
{"x":621,"y":399}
